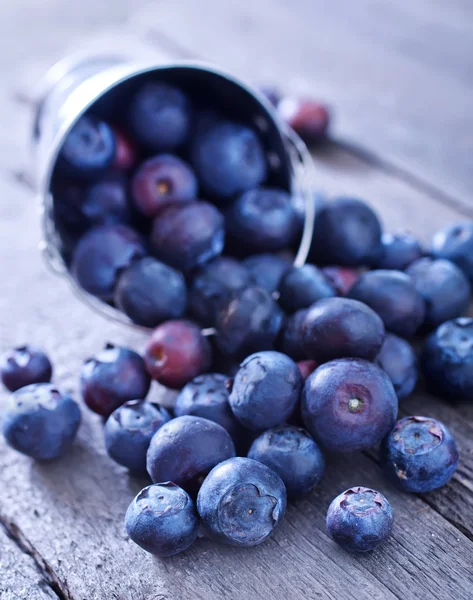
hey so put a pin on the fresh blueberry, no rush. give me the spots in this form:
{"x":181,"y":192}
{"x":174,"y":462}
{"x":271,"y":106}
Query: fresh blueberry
{"x":266,"y":270}
{"x":397,"y":251}
{"x":150,"y":292}
{"x":347,"y":232}
{"x":292,"y":336}
{"x":444,"y":288}
{"x":160,"y":181}
{"x":307,"y":367}
{"x":397,"y":358}
{"x":106,"y":202}
{"x":177,"y":352}
{"x":250,"y":322}
{"x":455,"y":243}
{"x":188,"y":235}
{"x":419,"y":454}
{"x":40,"y":421}
{"x":349,"y":404}
{"x":185,"y":449}
{"x":301,"y":287}
{"x":265,"y":390}
{"x":23,"y":366}
{"x":293,"y":454}
{"x":113,"y":377}
{"x":309,"y":118}
{"x":88,"y":150}
{"x":241,"y":502}
{"x":229,"y":159}
{"x":213,"y":287}
{"x":341,"y":278}
{"x":393,"y":296}
{"x":162,"y":519}
{"x":447,"y":360}
{"x":126,"y":155}
{"x":341,"y":328}
{"x":262,"y":219}
{"x":128,"y":432}
{"x":360,"y":519}
{"x":101,"y":254}
{"x":160,"y":116}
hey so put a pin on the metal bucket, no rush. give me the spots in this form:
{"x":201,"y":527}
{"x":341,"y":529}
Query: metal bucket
{"x":79,"y":82}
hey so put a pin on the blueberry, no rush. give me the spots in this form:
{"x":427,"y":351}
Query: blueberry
{"x":265,"y":390}
{"x":444,"y":288}
{"x":150,"y":292}
{"x":341,"y":328}
{"x":40,"y":421}
{"x":106,"y":202}
{"x":160,"y":116}
{"x":177,"y":352}
{"x":341,"y":278}
{"x":160,"y":181}
{"x":293,"y":454}
{"x":251,"y":321}
{"x":111,"y":378}
{"x":393,"y":296}
{"x":185,"y":449}
{"x":397,"y":251}
{"x":300,"y":287}
{"x":262,"y":219}
{"x":292,"y":338}
{"x":397,"y":358}
{"x":213,"y":287}
{"x":266,"y":270}
{"x":128,"y":432}
{"x":419,"y":454}
{"x":447,"y":360}
{"x":349,"y":404}
{"x":309,"y":118}
{"x":23,"y":366}
{"x":126,"y":155}
{"x":88,"y":150}
{"x":188,"y":235}
{"x":360,"y":519}
{"x":229,"y":159}
{"x":101,"y":254}
{"x":162,"y":519}
{"x":347,"y":232}
{"x":455,"y":243}
{"x":307,"y":367}
{"x":241,"y":502}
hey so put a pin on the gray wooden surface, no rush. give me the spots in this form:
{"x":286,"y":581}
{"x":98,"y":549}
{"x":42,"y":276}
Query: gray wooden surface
{"x":397,"y":75}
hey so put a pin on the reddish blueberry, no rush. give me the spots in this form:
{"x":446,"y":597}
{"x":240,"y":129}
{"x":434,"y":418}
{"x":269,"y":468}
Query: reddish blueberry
{"x":341,"y":278}
{"x":126,"y":155}
{"x":455,"y":243}
{"x":266,"y":270}
{"x":23,"y":366}
{"x":309,"y":118}
{"x":301,"y":287}
{"x":307,"y":367}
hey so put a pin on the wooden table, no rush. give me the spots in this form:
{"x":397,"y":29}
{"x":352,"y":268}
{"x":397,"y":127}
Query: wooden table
{"x":399,"y":76}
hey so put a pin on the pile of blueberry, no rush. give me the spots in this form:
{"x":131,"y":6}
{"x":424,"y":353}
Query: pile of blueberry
{"x":302,"y":361}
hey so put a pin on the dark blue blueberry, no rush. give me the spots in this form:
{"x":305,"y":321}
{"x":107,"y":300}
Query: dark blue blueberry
{"x":188,"y":235}
{"x":444,"y":288}
{"x":346,"y":232}
{"x":177,"y":352}
{"x":292,"y":337}
{"x":106,"y":202}
{"x":309,"y":118}
{"x":262,"y":219}
{"x":185,"y":449}
{"x":162,"y":519}
{"x":447,"y":360}
{"x":341,"y":278}
{"x":455,"y":243}
{"x":229,"y":159}
{"x":419,"y":455}
{"x":251,"y":321}
{"x":213,"y":287}
{"x":101,"y":254}
{"x":128,"y":432}
{"x":349,"y":404}
{"x":340,"y":328}
{"x":397,"y":251}
{"x":113,"y":377}
{"x":360,"y":519}
{"x":266,"y":270}
{"x":293,"y":454}
{"x":88,"y":150}
{"x":393,"y":296}
{"x":300,"y":287}
{"x":150,"y":292}
{"x":241,"y":502}
{"x":265,"y":390}
{"x":160,"y":116}
{"x":160,"y":181}
{"x":397,"y":358}
{"x":40,"y":421}
{"x":23,"y":366}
